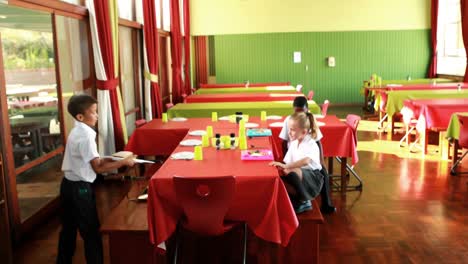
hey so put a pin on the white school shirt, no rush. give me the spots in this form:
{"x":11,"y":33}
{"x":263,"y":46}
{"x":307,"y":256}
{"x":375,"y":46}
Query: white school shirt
{"x":285,"y":136}
{"x":307,"y":148}
{"x":81,"y":148}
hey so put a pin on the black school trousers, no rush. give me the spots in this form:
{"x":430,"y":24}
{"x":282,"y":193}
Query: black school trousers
{"x":79,"y":213}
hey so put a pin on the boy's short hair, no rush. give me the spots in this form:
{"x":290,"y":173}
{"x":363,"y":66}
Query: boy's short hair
{"x":300,"y":102}
{"x":78,"y":104}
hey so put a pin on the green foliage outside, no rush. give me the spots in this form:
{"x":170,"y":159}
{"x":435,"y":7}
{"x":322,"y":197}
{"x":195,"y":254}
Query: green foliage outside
{"x":27,"y":49}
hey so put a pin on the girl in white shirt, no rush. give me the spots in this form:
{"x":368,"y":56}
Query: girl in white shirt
{"x":302,"y":165}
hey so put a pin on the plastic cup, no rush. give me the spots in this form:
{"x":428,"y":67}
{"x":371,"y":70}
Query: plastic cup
{"x":198,"y":153}
{"x":209,"y":131}
{"x":242,"y":124}
{"x":242,"y":142}
{"x":164,"y":117}
{"x":263,"y":115}
{"x":227,"y":142}
{"x":205,"y":141}
{"x":214,"y":116}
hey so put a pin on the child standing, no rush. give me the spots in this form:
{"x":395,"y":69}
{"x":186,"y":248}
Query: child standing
{"x":81,"y":162}
{"x":302,"y":164}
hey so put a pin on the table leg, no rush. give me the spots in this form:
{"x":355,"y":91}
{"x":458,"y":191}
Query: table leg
{"x":343,"y":175}
{"x":330,"y":165}
{"x":455,"y":151}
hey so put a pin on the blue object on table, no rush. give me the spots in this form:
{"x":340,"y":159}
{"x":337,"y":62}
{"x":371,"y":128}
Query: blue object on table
{"x":259,"y":132}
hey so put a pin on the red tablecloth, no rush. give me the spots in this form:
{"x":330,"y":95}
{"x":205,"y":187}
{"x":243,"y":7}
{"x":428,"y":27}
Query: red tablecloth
{"x":157,"y":138}
{"x":436,"y":113}
{"x":242,"y":97}
{"x":228,"y":85}
{"x":260,"y":199}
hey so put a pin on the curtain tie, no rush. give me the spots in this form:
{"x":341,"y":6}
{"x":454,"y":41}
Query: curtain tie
{"x":151,"y":77}
{"x":109,"y":85}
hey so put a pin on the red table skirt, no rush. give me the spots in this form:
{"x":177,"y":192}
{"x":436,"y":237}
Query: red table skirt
{"x":242,"y":97}
{"x":229,"y":85}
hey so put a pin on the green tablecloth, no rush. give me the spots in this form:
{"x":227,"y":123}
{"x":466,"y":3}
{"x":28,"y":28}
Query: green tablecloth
{"x":416,"y":81}
{"x":453,"y":130}
{"x":267,"y":89}
{"x":282,"y":108}
{"x":396,"y":98}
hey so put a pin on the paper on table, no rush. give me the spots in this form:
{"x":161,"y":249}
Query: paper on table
{"x":135,"y":160}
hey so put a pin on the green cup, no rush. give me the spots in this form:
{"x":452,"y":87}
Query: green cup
{"x":242,"y":142}
{"x":263,"y":115}
{"x":205,"y":141}
{"x":164,"y":117}
{"x":214,"y":116}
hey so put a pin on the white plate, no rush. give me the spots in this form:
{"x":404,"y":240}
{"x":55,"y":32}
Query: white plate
{"x":318,"y":116}
{"x":197,"y":133}
{"x":143,"y":197}
{"x":184,"y":155}
{"x":179,"y":119}
{"x":249,"y":125}
{"x":274,"y":117}
{"x":320,"y":123}
{"x":224,"y":118}
{"x":277,"y":124}
{"x":191,"y":142}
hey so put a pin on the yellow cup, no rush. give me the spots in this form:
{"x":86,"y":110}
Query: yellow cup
{"x":263,"y":115}
{"x":242,"y":142}
{"x":214,"y":116}
{"x":164,"y":117}
{"x":227,"y":141}
{"x":198,"y":153}
{"x":205,"y":141}
{"x":209,"y":131}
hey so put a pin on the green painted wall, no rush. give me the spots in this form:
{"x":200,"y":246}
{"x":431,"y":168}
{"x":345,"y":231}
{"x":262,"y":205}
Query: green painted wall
{"x":269,"y":58}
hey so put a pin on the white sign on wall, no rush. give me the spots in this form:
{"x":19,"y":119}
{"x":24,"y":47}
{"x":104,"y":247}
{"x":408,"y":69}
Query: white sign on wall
{"x":297,"y":57}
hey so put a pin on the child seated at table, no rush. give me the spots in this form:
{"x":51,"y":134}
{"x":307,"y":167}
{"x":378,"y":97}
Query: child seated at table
{"x":300,"y":105}
{"x":302,"y":166}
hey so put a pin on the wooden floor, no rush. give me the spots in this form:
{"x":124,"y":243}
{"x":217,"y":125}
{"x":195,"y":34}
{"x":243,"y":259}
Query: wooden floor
{"x":410,"y":211}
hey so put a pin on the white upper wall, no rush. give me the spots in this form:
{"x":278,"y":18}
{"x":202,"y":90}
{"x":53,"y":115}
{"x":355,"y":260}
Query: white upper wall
{"x":214,"y":17}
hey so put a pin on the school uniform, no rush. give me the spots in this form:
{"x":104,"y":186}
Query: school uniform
{"x":77,"y":197}
{"x":312,"y":178}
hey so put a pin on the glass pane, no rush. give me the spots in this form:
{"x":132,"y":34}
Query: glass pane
{"x":38,"y":186}
{"x":158,"y":12}
{"x":76,"y":2}
{"x":126,"y":9}
{"x":166,"y":15}
{"x":31,"y":88}
{"x":73,"y":51}
{"x":127,"y":75}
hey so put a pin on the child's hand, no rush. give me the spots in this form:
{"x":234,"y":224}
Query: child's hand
{"x":128,"y":161}
{"x":277,"y":164}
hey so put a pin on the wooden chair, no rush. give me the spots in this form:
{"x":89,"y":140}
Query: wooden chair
{"x":462,"y":142}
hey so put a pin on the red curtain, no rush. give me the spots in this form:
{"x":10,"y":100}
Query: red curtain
{"x":150,"y":30}
{"x":464,"y":22}
{"x":105,"y":41}
{"x":432,"y":73}
{"x":201,"y":66}
{"x":176,"y":53}
{"x":188,"y":85}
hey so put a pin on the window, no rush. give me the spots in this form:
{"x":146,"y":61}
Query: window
{"x":451,"y":51}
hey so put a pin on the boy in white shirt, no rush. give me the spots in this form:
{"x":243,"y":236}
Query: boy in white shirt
{"x":300,"y":105}
{"x":81,"y":162}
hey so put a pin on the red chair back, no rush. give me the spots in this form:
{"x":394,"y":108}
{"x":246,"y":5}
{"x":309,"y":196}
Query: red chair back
{"x":463,"y":139}
{"x":353,"y":122}
{"x":325,"y":107}
{"x":205,"y":202}
{"x":310,"y":96}
{"x":169,"y":106}
{"x":140,"y":122}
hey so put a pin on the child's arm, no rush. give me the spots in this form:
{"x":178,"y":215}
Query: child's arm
{"x":105,"y":165}
{"x":292,"y":165}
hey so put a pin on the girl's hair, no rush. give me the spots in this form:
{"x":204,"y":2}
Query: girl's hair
{"x":306,"y":121}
